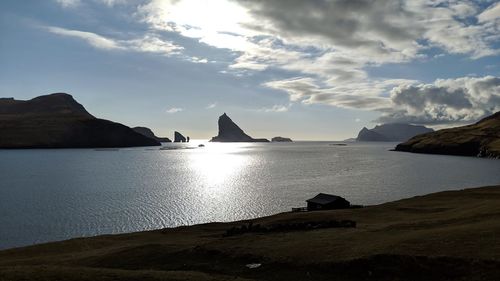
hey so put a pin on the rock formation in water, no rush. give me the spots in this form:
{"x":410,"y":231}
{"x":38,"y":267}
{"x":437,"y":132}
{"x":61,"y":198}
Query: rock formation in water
{"x":178,"y":137}
{"x":230,"y":132}
{"x":281,"y":139}
{"x":58,"y":121}
{"x":148,"y":133}
{"x":391,"y":132}
{"x":480,"y":139}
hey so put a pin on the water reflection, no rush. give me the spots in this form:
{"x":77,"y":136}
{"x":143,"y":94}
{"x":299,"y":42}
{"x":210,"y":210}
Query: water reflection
{"x":218,"y":165}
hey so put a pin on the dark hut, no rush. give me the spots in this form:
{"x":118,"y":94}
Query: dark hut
{"x":324,"y":201}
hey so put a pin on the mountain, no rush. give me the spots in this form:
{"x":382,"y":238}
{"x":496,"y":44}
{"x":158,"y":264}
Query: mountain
{"x":58,"y":121}
{"x":281,"y":139}
{"x":480,"y":139}
{"x":391,"y":132}
{"x":148,"y":133}
{"x":178,"y":137}
{"x":230,"y":132}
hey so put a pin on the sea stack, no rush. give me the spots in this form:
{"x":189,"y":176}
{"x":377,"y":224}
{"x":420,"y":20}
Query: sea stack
{"x":178,"y":137}
{"x":230,"y":132}
{"x":481,"y":139}
{"x":58,"y":121}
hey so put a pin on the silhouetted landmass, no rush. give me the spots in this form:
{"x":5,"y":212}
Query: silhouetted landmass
{"x":178,"y":137}
{"x":58,"y":121}
{"x":281,"y":139}
{"x":480,"y":139}
{"x":148,"y":133}
{"x":450,"y":235}
{"x":391,"y":132}
{"x":230,"y":132}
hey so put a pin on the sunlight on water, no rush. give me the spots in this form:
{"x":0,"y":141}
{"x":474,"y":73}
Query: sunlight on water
{"x":217,"y":164}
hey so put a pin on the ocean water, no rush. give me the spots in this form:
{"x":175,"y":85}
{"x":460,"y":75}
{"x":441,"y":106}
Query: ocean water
{"x":50,"y":195}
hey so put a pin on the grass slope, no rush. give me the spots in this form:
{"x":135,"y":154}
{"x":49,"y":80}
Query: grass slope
{"x":452,"y":235}
{"x":480,"y":139}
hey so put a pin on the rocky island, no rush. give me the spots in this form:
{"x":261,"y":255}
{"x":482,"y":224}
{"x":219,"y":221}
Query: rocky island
{"x":178,"y":137}
{"x":391,"y":132}
{"x":230,"y":132}
{"x":58,"y":121}
{"x":149,"y":133}
{"x":281,"y":139}
{"x":480,"y":139}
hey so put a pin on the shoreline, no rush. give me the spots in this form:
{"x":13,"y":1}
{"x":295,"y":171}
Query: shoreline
{"x":419,"y":235}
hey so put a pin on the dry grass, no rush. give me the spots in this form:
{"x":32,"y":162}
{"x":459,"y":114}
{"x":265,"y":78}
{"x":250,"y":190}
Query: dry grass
{"x":450,"y":235}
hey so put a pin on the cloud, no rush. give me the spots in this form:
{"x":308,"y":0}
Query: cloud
{"x":148,"y":43}
{"x":174,"y":110}
{"x":212,"y":105}
{"x":276,"y":108}
{"x":490,"y":14}
{"x":461,"y":100}
{"x":76,"y":3}
{"x":68,"y":3}
{"x":93,"y":39}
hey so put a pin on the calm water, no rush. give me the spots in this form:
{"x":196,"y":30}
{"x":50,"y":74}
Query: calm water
{"x":48,"y":195}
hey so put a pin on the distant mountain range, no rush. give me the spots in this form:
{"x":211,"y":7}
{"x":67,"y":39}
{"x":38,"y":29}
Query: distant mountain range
{"x":480,"y":139}
{"x":391,"y":132}
{"x":58,"y":121}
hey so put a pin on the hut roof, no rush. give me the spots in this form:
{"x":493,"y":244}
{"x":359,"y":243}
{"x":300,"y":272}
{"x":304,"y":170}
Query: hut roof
{"x":324,"y":198}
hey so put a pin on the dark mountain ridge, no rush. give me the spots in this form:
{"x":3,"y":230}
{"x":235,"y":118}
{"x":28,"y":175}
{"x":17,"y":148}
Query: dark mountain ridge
{"x":392,"y":132}
{"x":58,"y":121}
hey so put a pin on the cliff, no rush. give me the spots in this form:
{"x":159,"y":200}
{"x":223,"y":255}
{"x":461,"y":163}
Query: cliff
{"x":148,"y":133}
{"x":391,"y":132}
{"x":58,"y":121}
{"x":178,"y":137}
{"x":230,"y":132}
{"x":480,"y":139}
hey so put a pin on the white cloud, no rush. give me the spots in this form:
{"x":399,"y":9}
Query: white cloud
{"x":276,"y":108}
{"x":490,"y":14}
{"x":174,"y":110}
{"x":68,"y":3}
{"x":149,"y":43}
{"x":464,"y":99}
{"x":212,"y":105}
{"x":93,"y":39}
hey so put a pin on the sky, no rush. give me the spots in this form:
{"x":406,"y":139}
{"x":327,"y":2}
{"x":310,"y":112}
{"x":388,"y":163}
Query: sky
{"x":309,"y":70}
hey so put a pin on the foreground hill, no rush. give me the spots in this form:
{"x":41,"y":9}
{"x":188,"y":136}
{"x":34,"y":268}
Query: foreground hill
{"x":479,"y":139}
{"x":391,"y":132}
{"x":230,"y":132}
{"x":58,"y":121}
{"x":451,"y":235}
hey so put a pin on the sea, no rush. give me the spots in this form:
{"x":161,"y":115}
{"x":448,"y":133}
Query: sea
{"x":56,"y":194}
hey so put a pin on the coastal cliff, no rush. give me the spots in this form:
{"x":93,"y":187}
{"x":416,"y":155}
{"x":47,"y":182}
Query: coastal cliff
{"x":58,"y":121}
{"x":480,"y":139}
{"x":230,"y":132}
{"x":391,"y":132}
{"x":149,"y":133}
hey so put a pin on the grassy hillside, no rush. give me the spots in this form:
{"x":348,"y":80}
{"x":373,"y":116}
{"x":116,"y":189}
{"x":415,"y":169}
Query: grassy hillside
{"x":451,"y":235}
{"x":480,"y":139}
